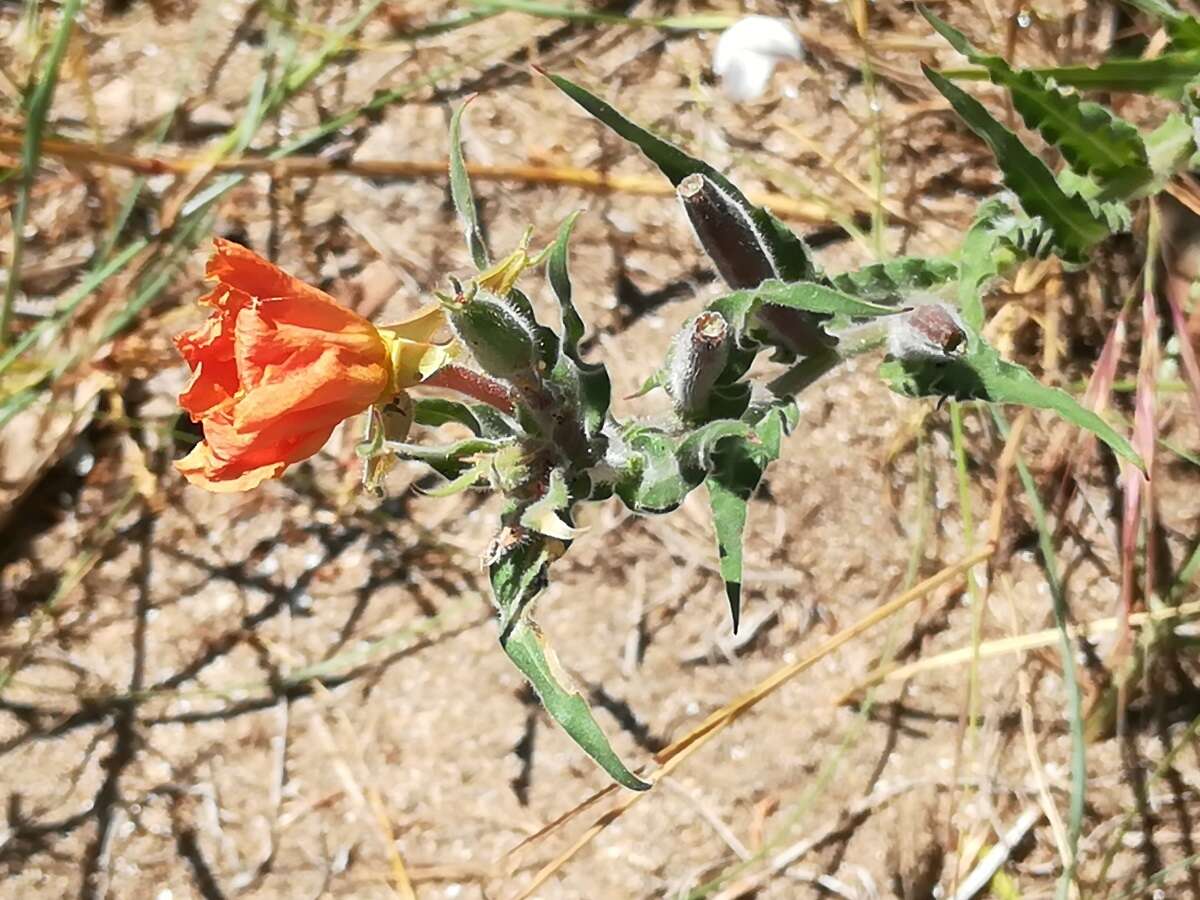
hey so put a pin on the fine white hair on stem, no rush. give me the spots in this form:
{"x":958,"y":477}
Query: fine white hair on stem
{"x":748,"y":52}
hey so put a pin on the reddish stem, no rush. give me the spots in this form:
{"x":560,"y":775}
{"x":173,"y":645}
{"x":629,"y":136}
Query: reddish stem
{"x":472,"y":384}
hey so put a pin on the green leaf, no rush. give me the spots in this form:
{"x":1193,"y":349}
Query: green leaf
{"x":527,"y":648}
{"x":652,"y":479}
{"x":791,"y":255}
{"x":1183,"y":29}
{"x":1074,"y":226}
{"x":1165,"y":76}
{"x":984,"y":254}
{"x":980,"y":374}
{"x":460,"y":192}
{"x":595,"y":388}
{"x":696,"y":449}
{"x":740,"y":307}
{"x":518,"y":574}
{"x":483,"y":420}
{"x":1093,"y":140}
{"x":885,"y":282}
{"x":737,"y":469}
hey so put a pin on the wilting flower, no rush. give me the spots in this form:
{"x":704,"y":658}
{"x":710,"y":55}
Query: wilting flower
{"x":279,"y":363}
{"x":748,"y":52}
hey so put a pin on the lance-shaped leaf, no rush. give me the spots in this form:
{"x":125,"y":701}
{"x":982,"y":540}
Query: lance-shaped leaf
{"x":791,"y":257}
{"x":1165,"y":76}
{"x":737,"y":469}
{"x":460,"y":193}
{"x":1093,"y":140}
{"x":1074,"y":226}
{"x":595,"y":388}
{"x":1183,"y":30}
{"x":887,"y":282}
{"x":528,"y":650}
{"x":518,"y":573}
{"x":980,"y":374}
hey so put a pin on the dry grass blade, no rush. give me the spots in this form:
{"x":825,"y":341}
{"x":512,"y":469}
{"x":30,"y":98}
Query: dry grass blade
{"x":1020,"y":644}
{"x":310,"y":166}
{"x":674,"y":755}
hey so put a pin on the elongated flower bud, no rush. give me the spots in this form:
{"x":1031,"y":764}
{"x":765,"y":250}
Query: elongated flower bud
{"x":698,"y":357}
{"x":929,"y":331}
{"x":743,"y":257}
{"x":726,"y":233}
{"x":497,"y":335}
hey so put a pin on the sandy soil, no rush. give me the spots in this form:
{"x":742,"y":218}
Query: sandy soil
{"x":291,"y":693}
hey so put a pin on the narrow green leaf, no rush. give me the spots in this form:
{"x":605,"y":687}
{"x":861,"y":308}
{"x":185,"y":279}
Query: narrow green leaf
{"x":527,"y":648}
{"x":739,"y":307}
{"x":1071,"y":220}
{"x":737,"y":469}
{"x":518,"y":574}
{"x":1166,"y":76}
{"x":792,"y":258}
{"x":595,"y":387}
{"x":980,"y":374}
{"x":485,"y":421}
{"x":1093,"y":140}
{"x":460,"y":192}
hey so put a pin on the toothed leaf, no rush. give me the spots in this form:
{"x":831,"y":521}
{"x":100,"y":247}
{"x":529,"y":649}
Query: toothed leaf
{"x":1070,"y":219}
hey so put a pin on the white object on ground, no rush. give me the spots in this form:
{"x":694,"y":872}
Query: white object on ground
{"x":748,"y":52}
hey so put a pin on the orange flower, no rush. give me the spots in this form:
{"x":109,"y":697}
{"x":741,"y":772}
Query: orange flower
{"x":278,"y":364}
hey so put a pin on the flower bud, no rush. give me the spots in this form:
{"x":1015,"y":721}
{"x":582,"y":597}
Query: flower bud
{"x":698,"y":357}
{"x":501,"y":340}
{"x":930,"y":331}
{"x":726,"y":233}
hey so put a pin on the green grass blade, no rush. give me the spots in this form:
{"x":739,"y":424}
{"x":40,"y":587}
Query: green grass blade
{"x":1067,"y":653}
{"x":31,"y":153}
